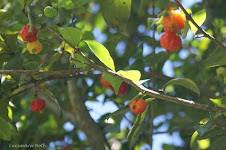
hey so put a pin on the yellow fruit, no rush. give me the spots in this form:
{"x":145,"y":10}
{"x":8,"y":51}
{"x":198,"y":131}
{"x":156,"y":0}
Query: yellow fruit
{"x":34,"y":47}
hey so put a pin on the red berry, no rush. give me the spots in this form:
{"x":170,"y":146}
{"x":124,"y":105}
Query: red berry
{"x":174,"y":22}
{"x":137,"y":106}
{"x":170,"y":41}
{"x":38,"y":105}
{"x":65,"y":148}
{"x":105,"y":83}
{"x":28,"y":36}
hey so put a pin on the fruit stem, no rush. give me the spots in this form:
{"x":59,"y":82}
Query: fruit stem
{"x":30,"y":19}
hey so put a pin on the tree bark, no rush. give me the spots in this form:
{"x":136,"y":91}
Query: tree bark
{"x":94,"y":134}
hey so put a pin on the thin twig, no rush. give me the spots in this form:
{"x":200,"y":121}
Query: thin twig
{"x":42,"y":72}
{"x":206,"y":34}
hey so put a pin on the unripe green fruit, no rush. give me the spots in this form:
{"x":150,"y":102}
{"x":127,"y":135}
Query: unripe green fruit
{"x":221,"y":71}
{"x":50,"y":12}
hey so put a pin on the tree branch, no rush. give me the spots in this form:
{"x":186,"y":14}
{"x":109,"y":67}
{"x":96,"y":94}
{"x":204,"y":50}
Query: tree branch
{"x":42,"y":72}
{"x":155,"y":94}
{"x":199,"y":28}
{"x":140,"y":88}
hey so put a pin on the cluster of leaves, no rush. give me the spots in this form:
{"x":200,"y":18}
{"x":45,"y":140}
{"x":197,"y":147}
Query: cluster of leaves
{"x":77,"y":21}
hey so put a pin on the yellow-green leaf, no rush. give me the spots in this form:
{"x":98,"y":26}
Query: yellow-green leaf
{"x":199,"y":18}
{"x":133,"y":75}
{"x":101,"y":53}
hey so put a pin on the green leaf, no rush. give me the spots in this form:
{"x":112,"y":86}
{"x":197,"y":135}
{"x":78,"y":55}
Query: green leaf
{"x":202,"y":129}
{"x":218,"y":58}
{"x":46,"y":94}
{"x":101,"y":53}
{"x":115,"y":83}
{"x":151,"y":22}
{"x":199,"y":18}
{"x":185,"y":30}
{"x":148,"y":100}
{"x":10,"y":113}
{"x":80,"y":61}
{"x":113,"y":128}
{"x":137,"y":128}
{"x":71,"y":35}
{"x":116,"y":13}
{"x":83,"y":2}
{"x":14,"y":63}
{"x":159,"y":21}
{"x":193,"y":142}
{"x":133,"y":75}
{"x":5,"y":130}
{"x":187,"y":83}
{"x":120,"y":111}
{"x":3,"y":107}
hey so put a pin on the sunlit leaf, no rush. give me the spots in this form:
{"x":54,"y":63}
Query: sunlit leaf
{"x":219,"y":102}
{"x":199,"y":18}
{"x":101,"y":53}
{"x":159,"y":28}
{"x":193,"y":142}
{"x":204,"y":144}
{"x":133,"y":75}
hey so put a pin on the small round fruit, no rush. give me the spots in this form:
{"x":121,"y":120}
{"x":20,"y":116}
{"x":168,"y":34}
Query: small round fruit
{"x":26,"y":35}
{"x":137,"y":106}
{"x":170,"y":41}
{"x":221,"y":71}
{"x":50,"y":12}
{"x":34,"y":47}
{"x":174,"y":22}
{"x":105,"y":83}
{"x":38,"y":105}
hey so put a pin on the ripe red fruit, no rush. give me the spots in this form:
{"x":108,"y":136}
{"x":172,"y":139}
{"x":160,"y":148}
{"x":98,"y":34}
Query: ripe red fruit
{"x":65,"y":148}
{"x":105,"y":83}
{"x":137,"y":106}
{"x":26,"y":35}
{"x":174,"y":22}
{"x":38,"y":105}
{"x":170,"y":41}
